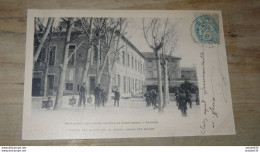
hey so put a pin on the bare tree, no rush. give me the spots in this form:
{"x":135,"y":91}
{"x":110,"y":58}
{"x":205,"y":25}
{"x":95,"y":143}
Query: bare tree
{"x":42,"y":40}
{"x":100,"y":30}
{"x":167,"y":51}
{"x":88,"y":26}
{"x":69,"y":22}
{"x":154,"y":34}
{"x":107,"y":30}
{"x":47,"y":60}
{"x":118,"y":31}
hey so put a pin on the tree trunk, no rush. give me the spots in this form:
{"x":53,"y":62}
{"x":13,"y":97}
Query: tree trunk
{"x":166,"y":86}
{"x":43,"y":39}
{"x":109,"y":90}
{"x":46,"y":75}
{"x":109,"y":86}
{"x":63,"y":68}
{"x":87,"y":58}
{"x":86,"y":67}
{"x":98,"y":74}
{"x":159,"y":78}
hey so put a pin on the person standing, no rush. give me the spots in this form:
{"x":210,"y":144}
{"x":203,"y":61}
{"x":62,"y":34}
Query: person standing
{"x":97,"y":95}
{"x":147,"y":99}
{"x":154,"y":99}
{"x":103,"y":97}
{"x":82,"y":94}
{"x":183,"y":103}
{"x":117,"y":97}
{"x":188,"y":98}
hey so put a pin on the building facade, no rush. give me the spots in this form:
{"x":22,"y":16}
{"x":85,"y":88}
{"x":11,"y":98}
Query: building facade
{"x":188,"y":73}
{"x":128,"y":71}
{"x":174,"y":71}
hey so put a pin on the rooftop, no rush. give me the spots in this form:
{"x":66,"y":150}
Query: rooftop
{"x":151,"y":55}
{"x":132,"y":46}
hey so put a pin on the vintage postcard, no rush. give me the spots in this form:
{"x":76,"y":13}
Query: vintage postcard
{"x":125,"y":74}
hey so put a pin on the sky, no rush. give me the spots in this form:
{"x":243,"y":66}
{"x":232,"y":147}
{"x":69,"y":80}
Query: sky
{"x":135,"y":35}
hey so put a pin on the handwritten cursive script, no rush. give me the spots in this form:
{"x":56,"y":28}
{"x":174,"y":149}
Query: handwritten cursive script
{"x":212,"y":108}
{"x":203,"y":126}
{"x":202,"y":56}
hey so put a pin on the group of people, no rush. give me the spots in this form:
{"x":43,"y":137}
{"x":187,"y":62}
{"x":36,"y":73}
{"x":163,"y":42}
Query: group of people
{"x":100,"y":96}
{"x":151,"y":98}
{"x":183,"y":97}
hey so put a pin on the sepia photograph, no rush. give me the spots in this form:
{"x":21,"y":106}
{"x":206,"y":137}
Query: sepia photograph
{"x":129,"y":76}
{"x":87,"y":64}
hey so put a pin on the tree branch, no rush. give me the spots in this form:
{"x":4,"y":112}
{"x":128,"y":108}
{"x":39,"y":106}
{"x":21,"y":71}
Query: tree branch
{"x":145,"y":35}
{"x":76,"y":49}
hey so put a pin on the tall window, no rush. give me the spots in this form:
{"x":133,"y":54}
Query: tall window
{"x":124,"y":84}
{"x":132,"y":62}
{"x":52,"y":55}
{"x":150,"y":64}
{"x":123,"y":57}
{"x":135,"y":64}
{"x":128,"y":60}
{"x":72,"y":59}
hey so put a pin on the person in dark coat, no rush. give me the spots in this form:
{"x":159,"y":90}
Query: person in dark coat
{"x":177,"y":95}
{"x":82,"y":94}
{"x":117,"y":97}
{"x":97,"y":92}
{"x":154,"y":99}
{"x":188,"y":97}
{"x":147,"y":99}
{"x":151,"y":97}
{"x":103,"y":97}
{"x":183,"y":103}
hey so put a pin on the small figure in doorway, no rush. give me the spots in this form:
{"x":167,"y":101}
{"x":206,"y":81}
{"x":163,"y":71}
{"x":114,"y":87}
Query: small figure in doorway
{"x":183,"y":103}
{"x":82,"y":94}
{"x":97,"y":92}
{"x":117,"y":97}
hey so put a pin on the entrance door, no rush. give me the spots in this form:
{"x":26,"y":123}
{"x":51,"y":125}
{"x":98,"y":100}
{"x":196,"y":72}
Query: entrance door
{"x":92,"y":84}
{"x":36,"y":87}
{"x":50,"y":84}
